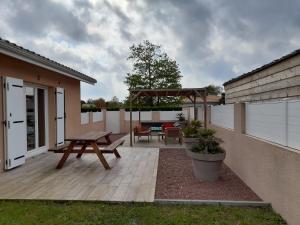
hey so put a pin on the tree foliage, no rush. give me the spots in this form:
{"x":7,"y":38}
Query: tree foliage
{"x":214,"y":89}
{"x":153,"y":69}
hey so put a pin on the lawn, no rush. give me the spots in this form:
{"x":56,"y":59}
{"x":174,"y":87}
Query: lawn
{"x":87,"y":213}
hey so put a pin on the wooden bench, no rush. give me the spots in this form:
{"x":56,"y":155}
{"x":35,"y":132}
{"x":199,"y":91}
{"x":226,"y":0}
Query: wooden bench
{"x":60,"y":148}
{"x":112,"y":148}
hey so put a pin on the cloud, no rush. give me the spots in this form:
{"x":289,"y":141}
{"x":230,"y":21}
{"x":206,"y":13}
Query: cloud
{"x":212,"y":41}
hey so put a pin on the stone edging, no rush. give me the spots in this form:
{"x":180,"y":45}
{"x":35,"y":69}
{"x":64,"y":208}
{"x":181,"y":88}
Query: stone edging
{"x":214,"y":202}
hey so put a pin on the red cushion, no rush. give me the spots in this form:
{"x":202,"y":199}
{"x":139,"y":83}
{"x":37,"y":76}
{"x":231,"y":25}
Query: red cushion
{"x":167,"y":124}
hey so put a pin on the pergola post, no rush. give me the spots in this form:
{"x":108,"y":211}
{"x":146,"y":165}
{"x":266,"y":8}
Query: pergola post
{"x":205,"y":109}
{"x":130,"y":116}
{"x":195,"y":109}
{"x":139,"y":110}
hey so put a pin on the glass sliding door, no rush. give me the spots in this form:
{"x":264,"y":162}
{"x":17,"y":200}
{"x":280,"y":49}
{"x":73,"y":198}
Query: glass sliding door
{"x":37,"y":116}
{"x":41,"y":117}
{"x":30,"y":117}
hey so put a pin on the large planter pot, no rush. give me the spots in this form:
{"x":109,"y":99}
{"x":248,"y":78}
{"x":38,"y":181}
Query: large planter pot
{"x":206,"y":167}
{"x":189,"y":143}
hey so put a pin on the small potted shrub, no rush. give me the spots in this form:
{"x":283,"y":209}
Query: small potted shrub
{"x":207,"y":156}
{"x":181,"y":120}
{"x":191,"y":134}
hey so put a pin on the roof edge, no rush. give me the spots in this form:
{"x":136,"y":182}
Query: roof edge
{"x":266,"y":66}
{"x":15,"y":51}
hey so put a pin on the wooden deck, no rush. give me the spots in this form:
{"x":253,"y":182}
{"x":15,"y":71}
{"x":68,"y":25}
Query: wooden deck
{"x":132,"y":178}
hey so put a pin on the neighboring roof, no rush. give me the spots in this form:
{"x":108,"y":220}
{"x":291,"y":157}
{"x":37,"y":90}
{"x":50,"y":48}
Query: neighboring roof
{"x":170,"y":92}
{"x":209,"y":99}
{"x":276,"y":61}
{"x":26,"y":55}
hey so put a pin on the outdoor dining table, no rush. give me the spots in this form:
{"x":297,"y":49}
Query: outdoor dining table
{"x":85,"y":140}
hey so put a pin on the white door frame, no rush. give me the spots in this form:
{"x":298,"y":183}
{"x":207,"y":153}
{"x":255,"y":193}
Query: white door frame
{"x":39,"y":150}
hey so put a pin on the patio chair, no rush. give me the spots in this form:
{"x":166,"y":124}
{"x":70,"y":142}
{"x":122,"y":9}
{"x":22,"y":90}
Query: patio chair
{"x":166,"y":125}
{"x":173,"y":132}
{"x":141,"y":131}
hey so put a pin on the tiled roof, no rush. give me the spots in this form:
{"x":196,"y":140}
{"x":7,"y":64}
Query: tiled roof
{"x":16,"y":51}
{"x":276,"y":61}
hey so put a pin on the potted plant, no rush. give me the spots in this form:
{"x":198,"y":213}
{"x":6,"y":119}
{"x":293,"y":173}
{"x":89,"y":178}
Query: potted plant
{"x":207,"y":156}
{"x":181,"y":120}
{"x":191,"y":134}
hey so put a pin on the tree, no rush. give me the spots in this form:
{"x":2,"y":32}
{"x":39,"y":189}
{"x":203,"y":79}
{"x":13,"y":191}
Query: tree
{"x":153,"y":69}
{"x":99,"y":103}
{"x":214,"y":90}
{"x":114,"y":103}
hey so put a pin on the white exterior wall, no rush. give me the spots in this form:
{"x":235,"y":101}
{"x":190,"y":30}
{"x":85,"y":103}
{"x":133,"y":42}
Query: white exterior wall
{"x":97,"y":116}
{"x":168,"y":115}
{"x":113,"y":121}
{"x":145,"y":116}
{"x":85,"y":118}
{"x":223,"y":116}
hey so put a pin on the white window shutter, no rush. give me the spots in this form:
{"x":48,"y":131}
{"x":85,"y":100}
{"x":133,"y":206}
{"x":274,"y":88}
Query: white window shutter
{"x":60,"y":116}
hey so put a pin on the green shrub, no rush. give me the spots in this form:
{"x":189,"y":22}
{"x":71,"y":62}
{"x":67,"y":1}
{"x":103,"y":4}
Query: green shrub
{"x":208,"y":143}
{"x":192,"y":129}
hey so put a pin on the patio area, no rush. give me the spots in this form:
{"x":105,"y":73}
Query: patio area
{"x":148,"y":171}
{"x":132,"y":178}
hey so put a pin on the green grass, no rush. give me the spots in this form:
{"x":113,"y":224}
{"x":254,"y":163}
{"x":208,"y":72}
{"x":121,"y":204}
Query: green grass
{"x":87,"y":213}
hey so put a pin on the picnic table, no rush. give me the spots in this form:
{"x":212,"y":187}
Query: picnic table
{"x":89,"y":143}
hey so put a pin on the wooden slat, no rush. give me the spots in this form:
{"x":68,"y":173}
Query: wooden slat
{"x":114,"y":145}
{"x":90,"y":136}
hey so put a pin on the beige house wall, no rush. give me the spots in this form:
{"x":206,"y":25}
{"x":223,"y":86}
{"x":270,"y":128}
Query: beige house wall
{"x":271,"y":170}
{"x":39,"y":76}
{"x":279,"y":81}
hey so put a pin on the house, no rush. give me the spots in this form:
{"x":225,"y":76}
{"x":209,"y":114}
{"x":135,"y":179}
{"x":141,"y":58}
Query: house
{"x":40,"y":104}
{"x":276,"y":80}
{"x":260,"y":126}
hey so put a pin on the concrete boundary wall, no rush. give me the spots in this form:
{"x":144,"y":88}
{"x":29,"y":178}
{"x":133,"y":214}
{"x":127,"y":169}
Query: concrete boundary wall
{"x":89,"y":123}
{"x":101,"y":123}
{"x":269,"y":169}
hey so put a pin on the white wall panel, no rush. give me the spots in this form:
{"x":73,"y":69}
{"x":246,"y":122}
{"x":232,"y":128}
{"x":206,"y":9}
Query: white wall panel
{"x":293,"y":124}
{"x":97,"y":116}
{"x":192,"y":113}
{"x":113,"y":121}
{"x":85,"y":118}
{"x":267,"y":121}
{"x":185,"y":113}
{"x":223,"y":115}
{"x":168,"y":115}
{"x":145,"y":116}
{"x":200,"y":113}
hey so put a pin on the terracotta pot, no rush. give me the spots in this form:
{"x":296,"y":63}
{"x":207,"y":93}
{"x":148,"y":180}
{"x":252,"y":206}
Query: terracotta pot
{"x":206,"y":167}
{"x":190,"y":142}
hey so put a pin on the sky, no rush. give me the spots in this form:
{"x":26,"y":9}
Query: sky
{"x":211,"y":40}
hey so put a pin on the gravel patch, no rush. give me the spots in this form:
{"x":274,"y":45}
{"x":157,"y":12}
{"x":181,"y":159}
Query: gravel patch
{"x":175,"y":180}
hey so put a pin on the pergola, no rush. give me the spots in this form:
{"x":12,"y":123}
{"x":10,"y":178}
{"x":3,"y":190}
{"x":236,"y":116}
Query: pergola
{"x":190,"y":93}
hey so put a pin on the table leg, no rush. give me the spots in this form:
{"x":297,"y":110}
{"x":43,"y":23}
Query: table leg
{"x":116,"y":153}
{"x":100,"y":155}
{"x":66,"y":155}
{"x":107,"y":138}
{"x":81,"y":151}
